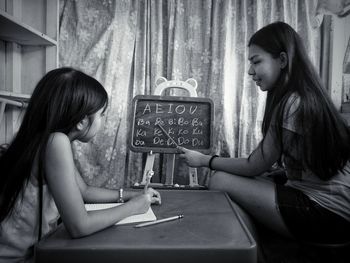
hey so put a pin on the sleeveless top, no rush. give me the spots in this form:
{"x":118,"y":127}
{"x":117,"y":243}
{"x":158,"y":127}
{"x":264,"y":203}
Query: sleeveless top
{"x":19,"y":231}
{"x":333,"y":194}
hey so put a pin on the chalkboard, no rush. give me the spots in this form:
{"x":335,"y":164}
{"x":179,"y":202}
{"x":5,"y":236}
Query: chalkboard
{"x":188,"y":121}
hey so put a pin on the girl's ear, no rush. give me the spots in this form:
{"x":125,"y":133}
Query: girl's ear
{"x":284,"y":59}
{"x":82,"y":125}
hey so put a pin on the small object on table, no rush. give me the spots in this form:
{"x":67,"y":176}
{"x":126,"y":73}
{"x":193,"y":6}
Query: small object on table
{"x":160,"y":221}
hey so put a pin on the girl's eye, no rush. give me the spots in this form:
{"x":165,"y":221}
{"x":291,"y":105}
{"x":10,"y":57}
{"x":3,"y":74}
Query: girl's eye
{"x":254,"y":62}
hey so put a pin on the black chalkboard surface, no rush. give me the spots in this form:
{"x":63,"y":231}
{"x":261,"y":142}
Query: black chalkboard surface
{"x":188,"y":121}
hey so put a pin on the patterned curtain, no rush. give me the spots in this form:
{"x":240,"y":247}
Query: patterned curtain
{"x":128,"y":44}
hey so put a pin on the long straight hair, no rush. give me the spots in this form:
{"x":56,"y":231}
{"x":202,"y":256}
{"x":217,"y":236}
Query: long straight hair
{"x":325,"y":139}
{"x":61,"y":99}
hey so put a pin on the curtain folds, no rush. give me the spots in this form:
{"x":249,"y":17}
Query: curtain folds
{"x":127,"y":44}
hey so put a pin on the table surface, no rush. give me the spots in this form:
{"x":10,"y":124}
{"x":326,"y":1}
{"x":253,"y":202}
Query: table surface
{"x":211,"y":231}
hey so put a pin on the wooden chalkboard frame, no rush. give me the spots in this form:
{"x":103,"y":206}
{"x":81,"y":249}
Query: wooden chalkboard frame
{"x":155,"y":98}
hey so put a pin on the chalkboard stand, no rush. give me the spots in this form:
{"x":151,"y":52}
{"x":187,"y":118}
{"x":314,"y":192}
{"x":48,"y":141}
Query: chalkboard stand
{"x":148,"y":166}
{"x":161,"y":85}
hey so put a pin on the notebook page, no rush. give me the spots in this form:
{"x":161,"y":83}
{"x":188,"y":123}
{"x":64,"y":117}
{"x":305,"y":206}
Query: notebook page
{"x":148,"y":216}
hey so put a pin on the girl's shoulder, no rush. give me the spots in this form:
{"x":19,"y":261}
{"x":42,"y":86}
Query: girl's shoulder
{"x":290,"y":113}
{"x":58,"y":137}
{"x":292,"y":104}
{"x":58,"y":154}
{"x":58,"y":140}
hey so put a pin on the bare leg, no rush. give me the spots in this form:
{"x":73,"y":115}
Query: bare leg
{"x":257,"y":197}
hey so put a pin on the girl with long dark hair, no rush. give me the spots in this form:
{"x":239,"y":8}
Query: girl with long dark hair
{"x":303,"y":133}
{"x":39,"y":180}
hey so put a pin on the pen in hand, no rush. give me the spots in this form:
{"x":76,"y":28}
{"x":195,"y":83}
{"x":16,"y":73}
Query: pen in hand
{"x":160,"y":221}
{"x":149,"y":175}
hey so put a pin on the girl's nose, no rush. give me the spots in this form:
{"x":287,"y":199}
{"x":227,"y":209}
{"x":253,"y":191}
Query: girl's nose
{"x":251,"y":70}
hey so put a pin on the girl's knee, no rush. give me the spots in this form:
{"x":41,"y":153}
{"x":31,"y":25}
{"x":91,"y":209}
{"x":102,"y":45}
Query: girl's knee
{"x":218,"y":181}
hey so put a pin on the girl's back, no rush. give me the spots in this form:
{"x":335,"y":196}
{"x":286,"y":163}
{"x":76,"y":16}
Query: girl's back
{"x":304,"y":179}
{"x":24,"y":222}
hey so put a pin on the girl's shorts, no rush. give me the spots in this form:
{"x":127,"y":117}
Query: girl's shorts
{"x":307,"y":220}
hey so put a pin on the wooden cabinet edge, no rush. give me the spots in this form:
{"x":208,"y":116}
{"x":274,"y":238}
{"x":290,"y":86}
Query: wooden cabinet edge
{"x":13,"y":30}
{"x":14,"y":96}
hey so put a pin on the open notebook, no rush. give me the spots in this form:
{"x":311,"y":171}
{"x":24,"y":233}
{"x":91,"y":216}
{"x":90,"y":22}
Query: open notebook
{"x":148,"y":216}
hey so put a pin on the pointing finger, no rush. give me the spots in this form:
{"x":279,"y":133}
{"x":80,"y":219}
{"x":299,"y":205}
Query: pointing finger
{"x":182,"y":149}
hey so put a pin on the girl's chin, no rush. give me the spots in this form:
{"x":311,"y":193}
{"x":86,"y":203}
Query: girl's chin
{"x":264,"y":88}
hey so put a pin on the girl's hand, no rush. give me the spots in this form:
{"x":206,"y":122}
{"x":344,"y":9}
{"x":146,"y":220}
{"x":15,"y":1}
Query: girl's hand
{"x":194,"y":158}
{"x":155,"y":196}
{"x":140,"y":203}
{"x":143,"y":201}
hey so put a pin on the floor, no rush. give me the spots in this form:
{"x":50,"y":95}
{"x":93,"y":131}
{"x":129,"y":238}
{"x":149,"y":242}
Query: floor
{"x":276,"y":249}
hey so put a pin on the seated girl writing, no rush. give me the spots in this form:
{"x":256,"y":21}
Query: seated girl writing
{"x":39,"y":180}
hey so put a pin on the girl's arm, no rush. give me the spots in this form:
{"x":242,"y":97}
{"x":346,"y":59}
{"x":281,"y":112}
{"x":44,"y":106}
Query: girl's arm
{"x":255,"y":164}
{"x":93,"y":194}
{"x":61,"y":180}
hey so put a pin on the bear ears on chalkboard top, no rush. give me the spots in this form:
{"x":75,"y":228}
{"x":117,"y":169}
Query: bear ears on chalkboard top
{"x":190,"y":85}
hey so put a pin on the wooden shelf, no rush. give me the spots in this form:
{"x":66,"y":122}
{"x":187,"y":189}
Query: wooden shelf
{"x":28,"y":49}
{"x":14,"y":96}
{"x":13,"y":30}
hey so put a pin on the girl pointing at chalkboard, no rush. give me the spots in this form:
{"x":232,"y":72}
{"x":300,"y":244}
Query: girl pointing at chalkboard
{"x":39,"y":180}
{"x":304,"y":133}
